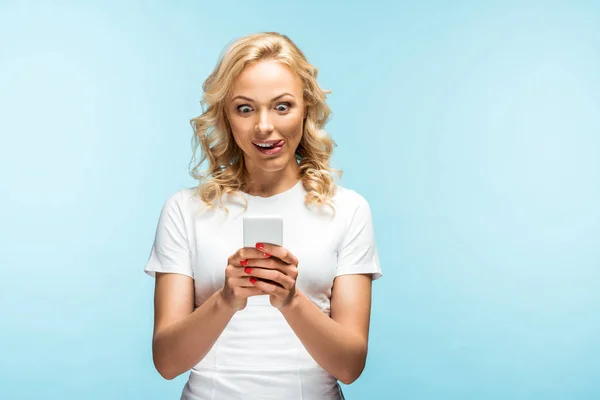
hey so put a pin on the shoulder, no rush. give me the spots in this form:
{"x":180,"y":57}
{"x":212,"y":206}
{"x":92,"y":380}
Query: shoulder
{"x":187,"y":194}
{"x":177,"y":197}
{"x":349,"y":200}
{"x":183,"y":200}
{"x":351,"y":206}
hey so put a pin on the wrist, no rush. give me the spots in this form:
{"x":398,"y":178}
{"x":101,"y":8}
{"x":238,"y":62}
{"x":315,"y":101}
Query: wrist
{"x":292,"y":304}
{"x":222,"y":303}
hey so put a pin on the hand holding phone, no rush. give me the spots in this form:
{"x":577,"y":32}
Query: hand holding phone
{"x":262,"y":265}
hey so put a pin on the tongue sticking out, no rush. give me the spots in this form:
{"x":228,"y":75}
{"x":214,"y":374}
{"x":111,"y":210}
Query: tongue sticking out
{"x":264,"y":147}
{"x":272,"y":145}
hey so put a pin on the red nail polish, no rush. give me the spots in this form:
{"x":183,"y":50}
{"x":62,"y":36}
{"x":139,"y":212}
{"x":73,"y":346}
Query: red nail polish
{"x":253,"y":280}
{"x":248,"y":270}
{"x":244,"y":263}
{"x":267,"y":255}
{"x":260,"y":246}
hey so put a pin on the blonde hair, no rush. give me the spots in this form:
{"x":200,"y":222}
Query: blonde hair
{"x":226,"y":172}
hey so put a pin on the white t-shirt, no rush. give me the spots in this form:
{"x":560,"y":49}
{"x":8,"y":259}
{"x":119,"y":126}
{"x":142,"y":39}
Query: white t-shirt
{"x":258,"y":355}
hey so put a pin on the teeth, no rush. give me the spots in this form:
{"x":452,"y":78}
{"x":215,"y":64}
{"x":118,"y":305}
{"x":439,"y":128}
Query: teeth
{"x":264,"y":145}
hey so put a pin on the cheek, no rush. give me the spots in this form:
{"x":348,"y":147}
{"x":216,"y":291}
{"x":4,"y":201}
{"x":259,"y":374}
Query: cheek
{"x":292,"y":129}
{"x":239,"y":130}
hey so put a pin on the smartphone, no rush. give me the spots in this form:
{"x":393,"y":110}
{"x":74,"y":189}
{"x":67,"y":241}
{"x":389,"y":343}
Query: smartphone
{"x":263,"y":229}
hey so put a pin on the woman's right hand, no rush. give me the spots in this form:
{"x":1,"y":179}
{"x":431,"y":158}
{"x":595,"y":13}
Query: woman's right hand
{"x":238,"y":287}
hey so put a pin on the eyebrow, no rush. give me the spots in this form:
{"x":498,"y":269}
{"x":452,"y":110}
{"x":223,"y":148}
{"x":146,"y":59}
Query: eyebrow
{"x":273,"y":99}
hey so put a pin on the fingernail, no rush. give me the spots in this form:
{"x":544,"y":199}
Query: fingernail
{"x":260,"y":246}
{"x":266,"y":255}
{"x":244,"y":262}
{"x":253,"y":280}
{"x":248,"y":270}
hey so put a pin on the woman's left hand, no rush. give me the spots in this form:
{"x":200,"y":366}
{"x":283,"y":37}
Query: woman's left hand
{"x":276,"y":275}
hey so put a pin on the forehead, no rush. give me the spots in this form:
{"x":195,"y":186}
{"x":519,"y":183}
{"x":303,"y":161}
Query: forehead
{"x":265,"y":79}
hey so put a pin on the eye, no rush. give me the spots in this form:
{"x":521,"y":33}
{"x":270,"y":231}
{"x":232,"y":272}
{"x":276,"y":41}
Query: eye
{"x":283,"y":107}
{"x":244,"y":109}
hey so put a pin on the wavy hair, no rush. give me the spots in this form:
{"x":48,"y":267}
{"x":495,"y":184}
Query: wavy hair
{"x":226,"y":172}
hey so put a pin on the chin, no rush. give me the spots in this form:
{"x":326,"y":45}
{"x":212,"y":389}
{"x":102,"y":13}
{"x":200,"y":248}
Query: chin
{"x":272,"y":165}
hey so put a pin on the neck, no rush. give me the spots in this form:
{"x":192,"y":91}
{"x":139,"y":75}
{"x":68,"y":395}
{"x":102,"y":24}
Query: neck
{"x":266,"y":184}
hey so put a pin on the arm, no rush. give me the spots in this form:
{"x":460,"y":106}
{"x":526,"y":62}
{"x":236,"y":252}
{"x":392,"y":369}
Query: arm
{"x":182,"y":336}
{"x":338,"y":344}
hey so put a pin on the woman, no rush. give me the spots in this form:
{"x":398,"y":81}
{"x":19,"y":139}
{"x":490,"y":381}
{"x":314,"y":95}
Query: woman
{"x":267,"y":322}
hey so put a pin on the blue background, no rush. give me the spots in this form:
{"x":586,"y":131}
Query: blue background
{"x":472,"y":128}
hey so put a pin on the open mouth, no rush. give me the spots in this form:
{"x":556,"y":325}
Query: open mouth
{"x":269,"y":144}
{"x":269,"y":147}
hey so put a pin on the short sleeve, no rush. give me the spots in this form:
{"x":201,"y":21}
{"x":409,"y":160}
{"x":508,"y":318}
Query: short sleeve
{"x":358,"y":252}
{"x":170,"y":251}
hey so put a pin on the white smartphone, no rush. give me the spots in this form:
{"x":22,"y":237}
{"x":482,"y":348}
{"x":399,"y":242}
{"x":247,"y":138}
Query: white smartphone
{"x":263,"y":229}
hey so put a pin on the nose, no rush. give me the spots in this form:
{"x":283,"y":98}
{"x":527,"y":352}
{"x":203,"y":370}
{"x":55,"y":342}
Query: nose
{"x":264,"y":125}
